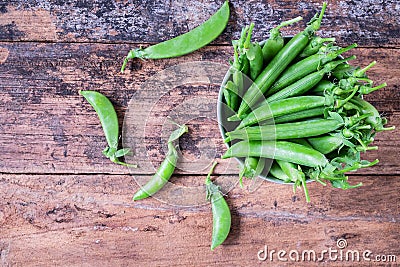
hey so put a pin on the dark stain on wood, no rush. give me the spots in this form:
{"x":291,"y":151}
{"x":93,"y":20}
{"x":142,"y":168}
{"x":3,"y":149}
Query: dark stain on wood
{"x":10,"y":31}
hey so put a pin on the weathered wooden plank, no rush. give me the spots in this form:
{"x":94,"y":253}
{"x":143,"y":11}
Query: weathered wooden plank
{"x":87,"y":219}
{"x":46,"y":127}
{"x":368,"y":23}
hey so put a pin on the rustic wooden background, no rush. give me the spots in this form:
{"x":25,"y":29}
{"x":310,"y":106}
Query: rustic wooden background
{"x":63,"y":203}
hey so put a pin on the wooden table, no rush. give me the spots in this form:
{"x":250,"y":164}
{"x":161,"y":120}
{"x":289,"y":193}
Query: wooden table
{"x":63,"y":203}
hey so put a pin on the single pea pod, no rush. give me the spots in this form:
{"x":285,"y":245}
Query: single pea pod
{"x":329,"y":143}
{"x":109,"y":122}
{"x":277,"y":172}
{"x":220,"y":211}
{"x":323,"y":86}
{"x":254,"y":54}
{"x":282,"y":150}
{"x":375,"y":120}
{"x":283,"y":107}
{"x":185,"y":43}
{"x":275,"y":42}
{"x":166,"y":169}
{"x":285,"y":131}
{"x":278,"y":64}
{"x":300,"y":115}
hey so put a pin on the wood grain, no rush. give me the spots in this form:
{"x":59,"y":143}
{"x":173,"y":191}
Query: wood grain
{"x":87,"y":219}
{"x":365,"y":22}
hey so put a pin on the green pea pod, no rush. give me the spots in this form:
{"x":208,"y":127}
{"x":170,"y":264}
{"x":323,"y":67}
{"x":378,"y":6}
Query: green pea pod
{"x":283,"y":131}
{"x":294,"y":172}
{"x":283,"y":107}
{"x":220,"y":211}
{"x":109,"y":122}
{"x":231,"y":95}
{"x":315,"y":44}
{"x":375,"y":120}
{"x":299,"y":115}
{"x":277,"y":172}
{"x":185,"y":43}
{"x":166,"y":169}
{"x":306,"y":83}
{"x":254,"y":54}
{"x":275,"y":42}
{"x":306,"y":66}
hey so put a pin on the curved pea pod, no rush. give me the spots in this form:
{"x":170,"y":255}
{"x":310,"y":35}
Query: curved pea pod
{"x":282,"y":150}
{"x":166,"y":169}
{"x":283,"y":107}
{"x":375,"y":120}
{"x":109,"y":122}
{"x":285,"y":131}
{"x":185,"y":43}
{"x":278,"y":64}
{"x":220,"y":211}
{"x":161,"y":177}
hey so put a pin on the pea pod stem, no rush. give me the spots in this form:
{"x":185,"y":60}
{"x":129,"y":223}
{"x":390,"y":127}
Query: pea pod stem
{"x":185,"y":43}
{"x":364,"y":90}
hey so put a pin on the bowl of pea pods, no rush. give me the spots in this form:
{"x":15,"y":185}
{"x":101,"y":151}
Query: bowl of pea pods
{"x":291,"y":109}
